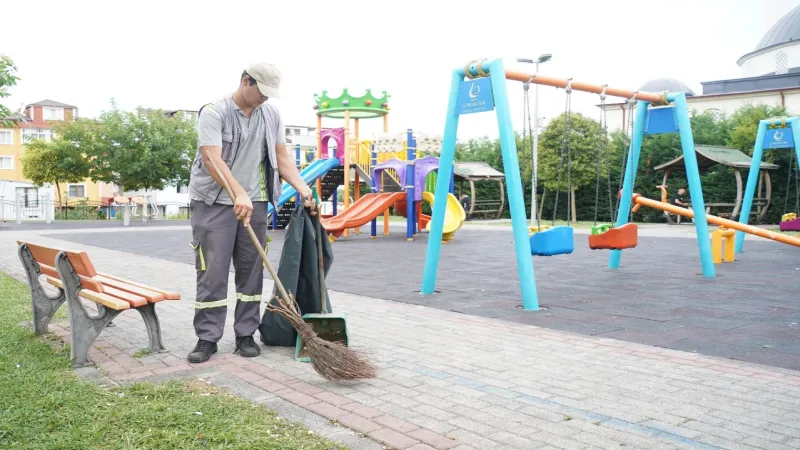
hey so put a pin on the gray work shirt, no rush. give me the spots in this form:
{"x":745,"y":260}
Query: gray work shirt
{"x":247,"y":167}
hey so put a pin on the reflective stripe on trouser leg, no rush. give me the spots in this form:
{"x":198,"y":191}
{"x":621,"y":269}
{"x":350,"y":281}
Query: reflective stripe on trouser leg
{"x":249,"y":273}
{"x":213,"y":237}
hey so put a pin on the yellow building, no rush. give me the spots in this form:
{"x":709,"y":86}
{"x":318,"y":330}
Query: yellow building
{"x":36,"y":123}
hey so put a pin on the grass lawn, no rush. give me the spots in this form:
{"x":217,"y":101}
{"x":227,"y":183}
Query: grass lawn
{"x":43,"y":405}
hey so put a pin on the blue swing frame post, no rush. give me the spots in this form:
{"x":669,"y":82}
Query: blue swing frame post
{"x":676,"y":120}
{"x":499,"y":96}
{"x":790,"y":124}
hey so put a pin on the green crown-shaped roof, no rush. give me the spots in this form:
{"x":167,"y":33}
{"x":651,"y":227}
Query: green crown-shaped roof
{"x":366,"y":106}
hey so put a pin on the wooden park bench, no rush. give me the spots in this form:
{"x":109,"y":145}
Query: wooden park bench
{"x":76,"y":279}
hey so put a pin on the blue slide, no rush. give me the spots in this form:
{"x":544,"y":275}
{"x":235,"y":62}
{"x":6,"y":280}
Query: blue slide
{"x":317,"y":169}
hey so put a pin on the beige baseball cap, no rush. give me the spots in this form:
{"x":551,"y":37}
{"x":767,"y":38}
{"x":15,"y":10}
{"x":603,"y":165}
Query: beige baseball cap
{"x":268,"y":78}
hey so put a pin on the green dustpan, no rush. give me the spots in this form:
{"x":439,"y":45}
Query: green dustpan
{"x":330,"y":327}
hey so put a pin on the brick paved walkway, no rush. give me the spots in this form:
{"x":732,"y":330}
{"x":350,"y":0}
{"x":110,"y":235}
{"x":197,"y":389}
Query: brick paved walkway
{"x":455,"y":381}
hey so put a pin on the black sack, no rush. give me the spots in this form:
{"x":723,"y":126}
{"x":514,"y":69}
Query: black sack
{"x":299,"y":273}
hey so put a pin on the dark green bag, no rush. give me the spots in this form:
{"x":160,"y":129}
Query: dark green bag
{"x":299,"y":272}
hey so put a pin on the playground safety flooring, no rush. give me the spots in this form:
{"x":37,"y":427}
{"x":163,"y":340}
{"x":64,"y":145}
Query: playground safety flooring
{"x":483,"y":377}
{"x":750,"y":311}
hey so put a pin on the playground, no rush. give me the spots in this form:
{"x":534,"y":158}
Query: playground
{"x":485,"y":335}
{"x":722,"y":301}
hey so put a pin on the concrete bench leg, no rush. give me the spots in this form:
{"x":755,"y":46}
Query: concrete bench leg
{"x":150,"y":318}
{"x":83,"y":329}
{"x":43,"y":306}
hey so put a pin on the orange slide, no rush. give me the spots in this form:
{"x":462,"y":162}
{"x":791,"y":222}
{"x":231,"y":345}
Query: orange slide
{"x":361,"y":212}
{"x":400,"y":208}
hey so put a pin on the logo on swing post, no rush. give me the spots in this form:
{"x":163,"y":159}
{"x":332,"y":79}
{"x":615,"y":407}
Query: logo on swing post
{"x":776,"y":138}
{"x":475,"y":96}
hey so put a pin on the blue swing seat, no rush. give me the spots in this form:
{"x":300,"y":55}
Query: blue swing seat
{"x":553,"y":241}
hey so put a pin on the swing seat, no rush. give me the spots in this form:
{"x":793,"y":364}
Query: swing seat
{"x":619,"y":238}
{"x":792,"y":223}
{"x":553,"y":241}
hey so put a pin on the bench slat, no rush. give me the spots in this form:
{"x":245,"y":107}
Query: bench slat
{"x":47,"y":255}
{"x":133,"y":299}
{"x":98,"y":297}
{"x":87,"y":283}
{"x":167,"y":295}
{"x":149,"y":295}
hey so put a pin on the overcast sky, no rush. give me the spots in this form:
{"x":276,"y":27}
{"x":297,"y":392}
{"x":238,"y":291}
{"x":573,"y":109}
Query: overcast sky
{"x":182,"y":54}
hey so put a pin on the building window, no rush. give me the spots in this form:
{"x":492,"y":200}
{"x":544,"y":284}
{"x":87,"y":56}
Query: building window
{"x":6,"y":137}
{"x":781,"y":63}
{"x":53,"y":113}
{"x":76,"y":190}
{"x":183,"y":189}
{"x":6,"y":163}
{"x":29,"y":134}
{"x":30,"y":197}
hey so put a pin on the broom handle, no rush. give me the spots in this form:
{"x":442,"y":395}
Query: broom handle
{"x":253,"y":237}
{"x":322,"y":289}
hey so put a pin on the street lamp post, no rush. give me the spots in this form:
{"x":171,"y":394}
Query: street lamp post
{"x":535,"y":148}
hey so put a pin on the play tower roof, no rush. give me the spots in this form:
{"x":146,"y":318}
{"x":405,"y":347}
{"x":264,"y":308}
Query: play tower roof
{"x":365,"y":107}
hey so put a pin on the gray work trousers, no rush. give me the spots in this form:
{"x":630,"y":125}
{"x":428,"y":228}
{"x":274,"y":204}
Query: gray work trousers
{"x":218,"y":237}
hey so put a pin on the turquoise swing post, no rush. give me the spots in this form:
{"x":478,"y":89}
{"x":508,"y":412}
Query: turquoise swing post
{"x":482,"y":92}
{"x":660,"y":120}
{"x":766,"y":139}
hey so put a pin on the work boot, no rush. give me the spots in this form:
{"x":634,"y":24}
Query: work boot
{"x":202,"y":351}
{"x":247,"y":347}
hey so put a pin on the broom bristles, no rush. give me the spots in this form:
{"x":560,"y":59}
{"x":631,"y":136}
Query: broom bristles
{"x":332,"y":360}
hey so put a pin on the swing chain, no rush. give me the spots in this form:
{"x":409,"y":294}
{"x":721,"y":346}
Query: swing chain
{"x":565,"y":141}
{"x":527,"y":137}
{"x":602,"y":132}
{"x":796,"y":185}
{"x":607,"y":162}
{"x":626,"y":150}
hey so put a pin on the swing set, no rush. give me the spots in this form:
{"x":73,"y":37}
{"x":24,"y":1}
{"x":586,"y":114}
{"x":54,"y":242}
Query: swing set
{"x":484,"y":89}
{"x":558,"y":240}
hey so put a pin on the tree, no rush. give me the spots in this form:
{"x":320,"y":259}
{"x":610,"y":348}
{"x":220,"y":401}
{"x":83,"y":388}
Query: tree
{"x":583,"y":143}
{"x":56,"y":162}
{"x":7,"y":79}
{"x":142,"y":150}
{"x":744,"y":124}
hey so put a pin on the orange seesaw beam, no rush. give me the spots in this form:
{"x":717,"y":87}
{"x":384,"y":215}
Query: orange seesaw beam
{"x":586,"y":87}
{"x":638,"y":199}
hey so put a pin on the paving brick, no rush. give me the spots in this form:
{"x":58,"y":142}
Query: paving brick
{"x":514,"y":440}
{"x":305,"y":388}
{"x":327,"y":410}
{"x":333,"y":399}
{"x":432,"y":424}
{"x":172,"y":369}
{"x":295,"y":397}
{"x":361,"y":410}
{"x":421,"y":447}
{"x":358,"y":423}
{"x":395,"y":423}
{"x":393,"y":438}
{"x":433,"y":439}
{"x":269,"y":385}
{"x":248,"y":376}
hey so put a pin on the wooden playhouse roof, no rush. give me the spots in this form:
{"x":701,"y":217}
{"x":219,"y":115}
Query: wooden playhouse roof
{"x":476,"y":171}
{"x":709,"y":155}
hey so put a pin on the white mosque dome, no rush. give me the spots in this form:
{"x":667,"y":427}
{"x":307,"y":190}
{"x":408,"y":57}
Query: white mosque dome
{"x":666,"y":84}
{"x":778,"y":52}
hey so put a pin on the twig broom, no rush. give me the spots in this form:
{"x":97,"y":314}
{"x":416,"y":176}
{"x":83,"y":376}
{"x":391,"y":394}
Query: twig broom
{"x":332,"y":360}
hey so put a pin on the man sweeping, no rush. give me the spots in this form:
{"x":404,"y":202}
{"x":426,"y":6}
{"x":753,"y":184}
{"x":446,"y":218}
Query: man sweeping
{"x":245,"y":138}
